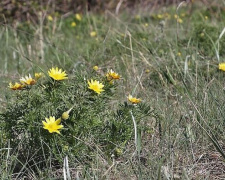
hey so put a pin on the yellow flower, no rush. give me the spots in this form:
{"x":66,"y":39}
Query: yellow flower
{"x":96,"y":86}
{"x":78,"y":17}
{"x":147,"y":71}
{"x":133,"y":100}
{"x":52,"y":125}
{"x":95,"y":68}
{"x":112,"y":75}
{"x":179,"y":20}
{"x":66,"y":115}
{"x":16,"y":86}
{"x":50,"y":18}
{"x":222,"y":66}
{"x":159,"y":16}
{"x":93,"y":34}
{"x":28,"y":80}
{"x":38,"y":75}
{"x":206,"y":17}
{"x":146,"y":24}
{"x":73,"y":24}
{"x":179,"y":54}
{"x":137,"y":17}
{"x":57,"y":74}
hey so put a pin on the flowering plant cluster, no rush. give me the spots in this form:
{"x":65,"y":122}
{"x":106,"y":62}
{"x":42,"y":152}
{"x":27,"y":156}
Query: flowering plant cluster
{"x":66,"y":110}
{"x":25,"y":81}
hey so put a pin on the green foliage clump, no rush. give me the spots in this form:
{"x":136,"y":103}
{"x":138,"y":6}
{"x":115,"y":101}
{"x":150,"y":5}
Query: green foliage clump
{"x":93,"y":120}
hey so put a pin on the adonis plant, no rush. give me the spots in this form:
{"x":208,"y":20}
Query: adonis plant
{"x":56,"y":114}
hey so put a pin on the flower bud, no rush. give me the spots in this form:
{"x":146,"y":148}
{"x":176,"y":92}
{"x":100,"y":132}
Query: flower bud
{"x":65,"y":115}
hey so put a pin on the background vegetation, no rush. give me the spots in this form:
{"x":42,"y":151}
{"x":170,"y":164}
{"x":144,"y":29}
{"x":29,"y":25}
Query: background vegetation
{"x":28,"y":10}
{"x":168,"y":57}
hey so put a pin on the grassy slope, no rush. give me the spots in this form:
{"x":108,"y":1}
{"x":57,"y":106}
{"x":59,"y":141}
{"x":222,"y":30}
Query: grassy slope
{"x":186,"y":90}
